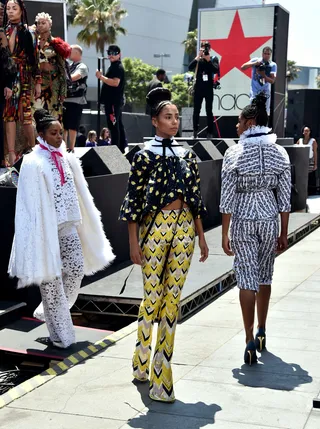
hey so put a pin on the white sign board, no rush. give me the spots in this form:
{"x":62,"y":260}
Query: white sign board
{"x":235,"y":36}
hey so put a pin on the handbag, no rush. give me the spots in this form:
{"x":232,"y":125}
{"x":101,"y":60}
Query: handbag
{"x":191,"y":88}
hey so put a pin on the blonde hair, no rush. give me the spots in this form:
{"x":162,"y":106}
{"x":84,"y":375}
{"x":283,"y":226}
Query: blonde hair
{"x":91,"y":134}
{"x":78,"y":47}
{"x":43,"y":15}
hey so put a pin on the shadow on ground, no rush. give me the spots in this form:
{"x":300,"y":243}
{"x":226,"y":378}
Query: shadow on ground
{"x":172,"y":416}
{"x":272,"y":373}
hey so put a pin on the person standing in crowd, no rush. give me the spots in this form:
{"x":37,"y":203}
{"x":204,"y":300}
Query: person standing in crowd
{"x":81,"y":137}
{"x":256,"y":187}
{"x":264,"y":73}
{"x":308,"y":140}
{"x":53,"y":53}
{"x":91,"y":139}
{"x":76,"y":96}
{"x":56,"y":215}
{"x":112,"y":96}
{"x":206,"y":67}
{"x":23,"y":47}
{"x":105,"y":139}
{"x":164,"y":199}
{"x":156,"y":82}
{"x":8,"y":75}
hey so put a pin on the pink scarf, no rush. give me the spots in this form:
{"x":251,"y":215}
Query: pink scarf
{"x":55,"y":154}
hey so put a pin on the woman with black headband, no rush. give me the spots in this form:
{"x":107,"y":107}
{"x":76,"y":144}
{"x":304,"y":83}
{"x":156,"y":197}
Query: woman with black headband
{"x":163,"y":198}
{"x":59,"y":236}
{"x":256,"y":187}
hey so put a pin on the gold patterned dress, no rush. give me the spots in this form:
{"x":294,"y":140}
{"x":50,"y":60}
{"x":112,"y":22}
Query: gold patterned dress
{"x":52,"y":57}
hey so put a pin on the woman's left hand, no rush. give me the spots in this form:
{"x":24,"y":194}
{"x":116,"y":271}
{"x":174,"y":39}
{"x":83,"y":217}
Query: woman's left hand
{"x":37,"y":91}
{"x":204,"y":249}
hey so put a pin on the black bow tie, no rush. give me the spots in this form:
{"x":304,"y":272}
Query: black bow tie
{"x":165,"y":143}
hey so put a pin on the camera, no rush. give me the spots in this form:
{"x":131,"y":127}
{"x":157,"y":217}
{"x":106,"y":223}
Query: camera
{"x":263,"y":66}
{"x":206,"y":48}
{"x":216,"y":85}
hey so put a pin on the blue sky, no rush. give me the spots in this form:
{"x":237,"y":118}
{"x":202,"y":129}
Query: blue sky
{"x":304,"y":25}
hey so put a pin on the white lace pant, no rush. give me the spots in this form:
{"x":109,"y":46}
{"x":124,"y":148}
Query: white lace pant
{"x":59,"y":295}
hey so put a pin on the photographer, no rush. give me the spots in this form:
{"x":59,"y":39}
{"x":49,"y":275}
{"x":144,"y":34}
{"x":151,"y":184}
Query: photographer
{"x":264,"y":72}
{"x":205,"y":68}
{"x":76,"y":96}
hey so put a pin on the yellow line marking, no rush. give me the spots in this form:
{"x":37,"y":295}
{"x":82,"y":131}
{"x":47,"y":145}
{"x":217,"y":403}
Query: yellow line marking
{"x":83,"y":354}
{"x":14,"y":394}
{"x":73,"y":359}
{"x":63,"y":366}
{"x":93,"y":349}
{"x":50,"y":371}
{"x":26,"y":385}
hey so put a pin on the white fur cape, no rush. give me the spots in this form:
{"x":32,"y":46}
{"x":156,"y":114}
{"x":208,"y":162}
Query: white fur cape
{"x":35,"y":255}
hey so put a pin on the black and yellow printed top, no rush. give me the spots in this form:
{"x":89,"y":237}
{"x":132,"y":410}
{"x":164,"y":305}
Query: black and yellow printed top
{"x":156,"y":181}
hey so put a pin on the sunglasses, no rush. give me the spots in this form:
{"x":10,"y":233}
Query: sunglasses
{"x":112,"y":53}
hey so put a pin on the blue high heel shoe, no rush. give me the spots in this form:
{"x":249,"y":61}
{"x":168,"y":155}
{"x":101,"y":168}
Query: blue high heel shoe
{"x":250,"y":354}
{"x":260,"y":340}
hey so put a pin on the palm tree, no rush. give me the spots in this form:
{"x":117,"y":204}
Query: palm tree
{"x":101,"y":22}
{"x":191,"y":42}
{"x":292,"y":70}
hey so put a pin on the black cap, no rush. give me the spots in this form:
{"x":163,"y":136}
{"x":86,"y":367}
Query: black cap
{"x":113,"y":49}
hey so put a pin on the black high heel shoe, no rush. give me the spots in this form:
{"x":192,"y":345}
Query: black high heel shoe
{"x":260,"y":340}
{"x":250,"y":355}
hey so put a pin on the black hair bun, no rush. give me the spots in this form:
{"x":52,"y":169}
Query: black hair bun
{"x":260,"y":100}
{"x":156,"y":95}
{"x":42,"y":115}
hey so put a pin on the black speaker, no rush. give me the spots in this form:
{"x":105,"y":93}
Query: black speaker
{"x":133,"y":150}
{"x":98,"y":161}
{"x":303,"y":109}
{"x":207,"y":151}
{"x":223,"y":144}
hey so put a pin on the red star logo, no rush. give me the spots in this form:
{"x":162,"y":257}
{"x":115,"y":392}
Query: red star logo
{"x":236,"y":49}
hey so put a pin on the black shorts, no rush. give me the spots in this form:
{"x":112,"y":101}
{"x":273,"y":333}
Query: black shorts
{"x":72,"y":113}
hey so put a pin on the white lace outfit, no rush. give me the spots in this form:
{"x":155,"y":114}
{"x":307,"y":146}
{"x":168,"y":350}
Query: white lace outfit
{"x":59,"y":236}
{"x":60,"y":294}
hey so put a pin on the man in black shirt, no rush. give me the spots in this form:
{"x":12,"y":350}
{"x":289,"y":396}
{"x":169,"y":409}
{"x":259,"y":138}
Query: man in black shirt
{"x":156,"y":82}
{"x":205,"y":68}
{"x":112,"y":96}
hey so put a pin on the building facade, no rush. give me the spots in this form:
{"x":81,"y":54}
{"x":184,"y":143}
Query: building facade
{"x":306,"y":78}
{"x":154,"y":28}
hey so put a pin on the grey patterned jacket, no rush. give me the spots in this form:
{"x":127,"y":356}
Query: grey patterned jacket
{"x":256,"y":177}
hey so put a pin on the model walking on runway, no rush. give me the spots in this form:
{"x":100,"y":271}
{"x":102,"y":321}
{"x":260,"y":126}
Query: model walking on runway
{"x":256,"y":187}
{"x":59,"y":236}
{"x":164,"y":200}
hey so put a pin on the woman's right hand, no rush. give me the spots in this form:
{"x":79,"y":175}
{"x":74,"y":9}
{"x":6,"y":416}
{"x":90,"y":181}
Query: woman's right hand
{"x":136,"y":254}
{"x":226,"y":246}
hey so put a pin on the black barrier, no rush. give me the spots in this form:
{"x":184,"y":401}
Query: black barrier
{"x":299,"y":158}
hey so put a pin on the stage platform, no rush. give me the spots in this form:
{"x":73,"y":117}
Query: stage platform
{"x":26,"y":337}
{"x":205,"y":282}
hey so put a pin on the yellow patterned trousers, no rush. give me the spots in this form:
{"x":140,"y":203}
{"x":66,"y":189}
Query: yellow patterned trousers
{"x":164,"y":270}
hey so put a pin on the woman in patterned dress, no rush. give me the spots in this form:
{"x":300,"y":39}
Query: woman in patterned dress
{"x":53,"y":52}
{"x":163,"y":198}
{"x":24,"y":51}
{"x":7,"y":75}
{"x":256,"y":187}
